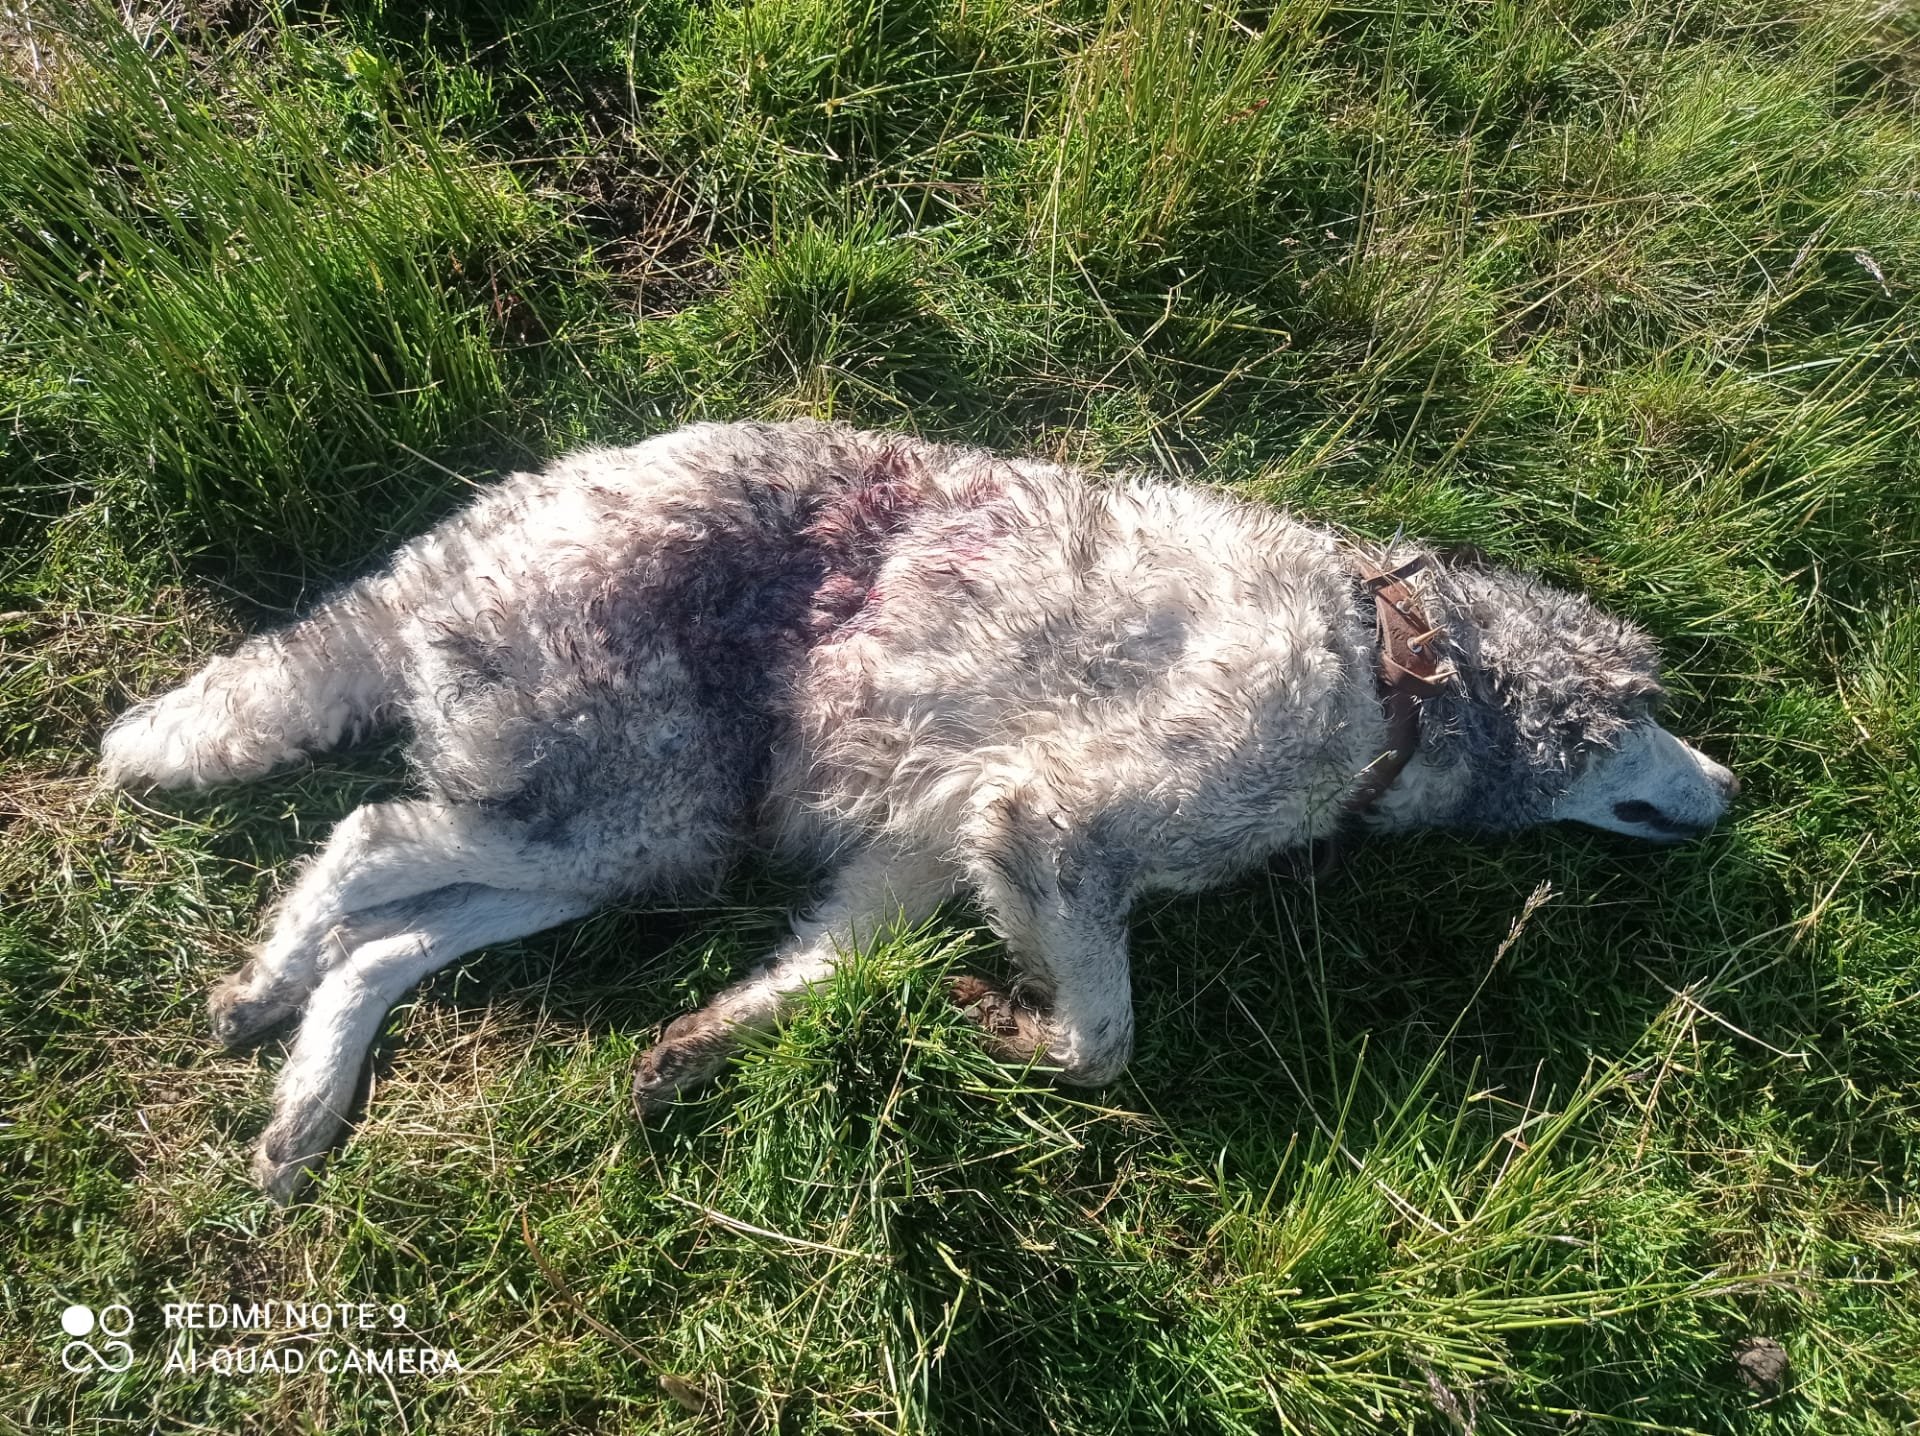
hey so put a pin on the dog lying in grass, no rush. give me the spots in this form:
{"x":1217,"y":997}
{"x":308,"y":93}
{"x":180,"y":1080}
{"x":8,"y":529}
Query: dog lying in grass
{"x":912,"y":668}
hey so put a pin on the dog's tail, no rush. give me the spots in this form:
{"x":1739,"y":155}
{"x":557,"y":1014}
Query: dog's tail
{"x":310,"y":686}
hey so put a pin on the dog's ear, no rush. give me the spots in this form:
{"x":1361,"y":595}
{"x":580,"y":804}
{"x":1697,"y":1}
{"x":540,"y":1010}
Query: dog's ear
{"x":1632,"y":670}
{"x":1639,"y":687}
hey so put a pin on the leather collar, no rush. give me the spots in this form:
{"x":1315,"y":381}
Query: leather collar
{"x":1409,"y":671}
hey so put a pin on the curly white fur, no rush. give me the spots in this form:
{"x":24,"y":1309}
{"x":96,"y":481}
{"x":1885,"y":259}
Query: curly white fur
{"x":919,"y":668}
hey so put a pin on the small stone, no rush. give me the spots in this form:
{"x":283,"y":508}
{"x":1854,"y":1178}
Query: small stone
{"x":1762,"y":1363}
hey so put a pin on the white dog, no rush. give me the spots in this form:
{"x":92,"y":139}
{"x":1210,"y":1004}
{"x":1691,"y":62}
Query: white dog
{"x":913,"y":668}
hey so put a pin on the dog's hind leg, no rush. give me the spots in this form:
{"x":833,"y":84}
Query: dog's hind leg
{"x":303,"y":689}
{"x":316,"y":1088}
{"x":378,"y":855}
{"x":875,"y":895}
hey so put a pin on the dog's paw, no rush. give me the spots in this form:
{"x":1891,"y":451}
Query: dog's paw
{"x":690,"y":1051}
{"x":286,"y":1158}
{"x":184,"y":739}
{"x":240,"y":1013}
{"x":1014,"y":1031}
{"x":155,"y":744}
{"x":1028,"y":1037}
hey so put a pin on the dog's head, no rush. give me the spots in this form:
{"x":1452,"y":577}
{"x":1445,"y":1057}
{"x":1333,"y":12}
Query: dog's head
{"x":1556,"y":717}
{"x":1649,"y":784}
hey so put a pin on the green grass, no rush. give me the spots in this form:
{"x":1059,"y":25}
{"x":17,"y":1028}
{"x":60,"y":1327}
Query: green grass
{"x":1467,"y":1137}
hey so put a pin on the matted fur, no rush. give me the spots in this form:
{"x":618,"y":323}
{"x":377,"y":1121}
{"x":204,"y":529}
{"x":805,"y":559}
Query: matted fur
{"x":914,"y":668}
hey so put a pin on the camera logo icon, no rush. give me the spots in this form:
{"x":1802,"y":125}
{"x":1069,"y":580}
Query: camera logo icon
{"x":112,"y":1322}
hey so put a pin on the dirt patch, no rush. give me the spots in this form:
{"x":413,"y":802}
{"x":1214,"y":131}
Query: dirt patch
{"x":647,"y":228}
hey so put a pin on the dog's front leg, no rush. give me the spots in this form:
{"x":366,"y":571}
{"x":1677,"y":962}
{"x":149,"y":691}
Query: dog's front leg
{"x":315,"y":1091}
{"x":878,"y":893}
{"x":1059,"y":897}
